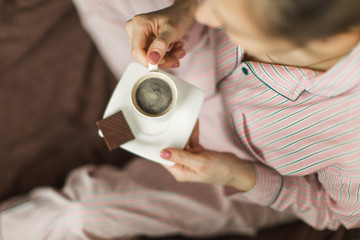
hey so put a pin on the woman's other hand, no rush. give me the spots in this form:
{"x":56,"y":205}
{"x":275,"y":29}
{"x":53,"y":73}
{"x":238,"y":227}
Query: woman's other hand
{"x":193,"y":145}
{"x":155,"y":37}
{"x":196,"y":164}
{"x":211,"y":167}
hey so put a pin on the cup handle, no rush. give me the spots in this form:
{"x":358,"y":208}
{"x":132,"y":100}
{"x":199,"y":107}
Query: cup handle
{"x":152,"y":67}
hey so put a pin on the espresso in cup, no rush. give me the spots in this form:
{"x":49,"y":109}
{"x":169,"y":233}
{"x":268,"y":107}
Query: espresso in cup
{"x":153,"y":98}
{"x":154,"y":94}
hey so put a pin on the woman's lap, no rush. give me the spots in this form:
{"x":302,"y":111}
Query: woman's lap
{"x":142,"y":199}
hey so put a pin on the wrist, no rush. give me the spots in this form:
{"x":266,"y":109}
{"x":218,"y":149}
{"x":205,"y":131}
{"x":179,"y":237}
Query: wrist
{"x":188,"y":4}
{"x":244,"y":177}
{"x":186,"y":8}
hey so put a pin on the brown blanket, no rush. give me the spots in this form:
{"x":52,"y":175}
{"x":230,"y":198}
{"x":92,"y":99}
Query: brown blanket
{"x":53,"y":88}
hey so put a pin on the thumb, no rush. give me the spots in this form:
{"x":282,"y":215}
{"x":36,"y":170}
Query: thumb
{"x":179,"y":156}
{"x":159,"y":46}
{"x":182,"y":171}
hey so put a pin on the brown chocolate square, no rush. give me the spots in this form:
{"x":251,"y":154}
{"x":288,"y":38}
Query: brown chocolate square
{"x":116,"y":131}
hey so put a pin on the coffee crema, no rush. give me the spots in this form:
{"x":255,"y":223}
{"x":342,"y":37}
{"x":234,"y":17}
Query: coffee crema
{"x":154,"y":96}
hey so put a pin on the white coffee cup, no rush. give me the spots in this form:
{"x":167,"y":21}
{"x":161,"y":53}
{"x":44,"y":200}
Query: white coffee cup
{"x":153,"y":99}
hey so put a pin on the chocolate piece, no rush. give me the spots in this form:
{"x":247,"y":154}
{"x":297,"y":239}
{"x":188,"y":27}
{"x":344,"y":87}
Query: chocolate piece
{"x":116,"y":131}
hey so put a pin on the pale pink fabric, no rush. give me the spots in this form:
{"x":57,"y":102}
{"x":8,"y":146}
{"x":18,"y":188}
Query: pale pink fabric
{"x":106,"y":203}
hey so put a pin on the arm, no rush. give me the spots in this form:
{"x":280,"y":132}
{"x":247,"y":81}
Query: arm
{"x":325,"y":201}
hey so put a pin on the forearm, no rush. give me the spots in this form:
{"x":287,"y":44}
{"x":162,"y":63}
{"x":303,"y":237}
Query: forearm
{"x":187,"y":6}
{"x":187,"y":9}
{"x":308,"y":198}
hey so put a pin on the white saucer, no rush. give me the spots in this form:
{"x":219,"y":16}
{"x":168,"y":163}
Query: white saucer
{"x":181,"y":124}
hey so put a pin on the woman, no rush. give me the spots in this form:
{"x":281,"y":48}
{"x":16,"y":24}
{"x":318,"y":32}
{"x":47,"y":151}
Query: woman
{"x":298,"y":133}
{"x":278,"y":136}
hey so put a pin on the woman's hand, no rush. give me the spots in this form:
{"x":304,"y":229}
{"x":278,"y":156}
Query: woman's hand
{"x":196,"y":164}
{"x":211,"y":167}
{"x":155,"y":37}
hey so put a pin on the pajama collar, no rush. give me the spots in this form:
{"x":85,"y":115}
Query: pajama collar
{"x":290,"y":81}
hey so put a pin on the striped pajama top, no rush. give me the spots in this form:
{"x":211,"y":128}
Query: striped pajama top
{"x":301,"y":127}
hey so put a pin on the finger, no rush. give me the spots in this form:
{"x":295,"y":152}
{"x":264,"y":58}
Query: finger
{"x":178,"y":53}
{"x":177,"y":50}
{"x":129,"y":29}
{"x":193,"y":149}
{"x":194,"y":138}
{"x":179,"y":44}
{"x":196,"y":149}
{"x":140,"y":39}
{"x":176,"y":46}
{"x":170,"y":62}
{"x":159,"y":46}
{"x":182,"y":173}
{"x":188,"y":159}
{"x":187,"y":146}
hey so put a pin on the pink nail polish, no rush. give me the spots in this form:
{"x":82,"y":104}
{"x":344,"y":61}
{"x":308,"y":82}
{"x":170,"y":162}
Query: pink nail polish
{"x":154,"y":57}
{"x":165,"y":154}
{"x":182,"y":54}
{"x":162,"y":62}
{"x":175,"y":65}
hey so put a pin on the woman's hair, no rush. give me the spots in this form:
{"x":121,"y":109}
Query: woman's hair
{"x":305,"y":20}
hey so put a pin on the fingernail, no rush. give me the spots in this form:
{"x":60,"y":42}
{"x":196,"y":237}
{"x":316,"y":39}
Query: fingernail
{"x":162,"y":62}
{"x":180,"y":44}
{"x":165,"y":154}
{"x":175,"y":65}
{"x":154,"y":57}
{"x":182,"y":54}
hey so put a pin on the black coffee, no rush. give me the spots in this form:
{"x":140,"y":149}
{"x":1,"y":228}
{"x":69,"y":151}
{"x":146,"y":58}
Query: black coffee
{"x":153,"y":96}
